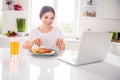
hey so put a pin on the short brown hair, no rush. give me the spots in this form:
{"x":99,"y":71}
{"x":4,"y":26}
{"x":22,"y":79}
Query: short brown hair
{"x":46,"y":9}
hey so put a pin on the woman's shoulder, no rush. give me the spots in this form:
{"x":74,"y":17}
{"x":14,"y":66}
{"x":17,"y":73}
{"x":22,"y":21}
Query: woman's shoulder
{"x":56,"y":29}
{"x":33,"y":33}
{"x":34,"y":29}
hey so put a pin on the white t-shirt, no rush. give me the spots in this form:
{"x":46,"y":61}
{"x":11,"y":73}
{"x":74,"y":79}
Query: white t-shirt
{"x":48,"y":39}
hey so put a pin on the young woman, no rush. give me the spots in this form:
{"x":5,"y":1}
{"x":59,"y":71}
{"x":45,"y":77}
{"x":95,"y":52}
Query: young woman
{"x":46,"y":34}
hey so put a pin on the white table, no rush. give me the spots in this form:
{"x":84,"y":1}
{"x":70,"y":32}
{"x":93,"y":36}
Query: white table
{"x":28,"y":67}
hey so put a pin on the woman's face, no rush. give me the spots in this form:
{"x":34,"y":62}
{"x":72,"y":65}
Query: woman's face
{"x":47,"y":19}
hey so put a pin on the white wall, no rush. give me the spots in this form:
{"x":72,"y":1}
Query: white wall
{"x":108,"y":8}
{"x":107,"y":17}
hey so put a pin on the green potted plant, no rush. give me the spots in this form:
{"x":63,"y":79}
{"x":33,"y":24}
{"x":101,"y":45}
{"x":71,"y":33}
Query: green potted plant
{"x":114,"y":36}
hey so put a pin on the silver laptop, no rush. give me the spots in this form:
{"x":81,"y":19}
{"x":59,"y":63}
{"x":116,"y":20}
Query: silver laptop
{"x":93,"y":47}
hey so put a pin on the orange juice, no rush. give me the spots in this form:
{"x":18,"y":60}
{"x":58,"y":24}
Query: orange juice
{"x":14,"y":46}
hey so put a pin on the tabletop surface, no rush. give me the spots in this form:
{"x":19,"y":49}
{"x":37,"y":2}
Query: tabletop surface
{"x":28,"y":67}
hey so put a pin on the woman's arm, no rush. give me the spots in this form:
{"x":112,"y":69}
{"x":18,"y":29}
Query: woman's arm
{"x":29,"y":43}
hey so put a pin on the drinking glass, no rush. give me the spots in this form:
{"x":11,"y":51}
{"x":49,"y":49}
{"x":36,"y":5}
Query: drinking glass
{"x":21,"y":24}
{"x":14,"y":47}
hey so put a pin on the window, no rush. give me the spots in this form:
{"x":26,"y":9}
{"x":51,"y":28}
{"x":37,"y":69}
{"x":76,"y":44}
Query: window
{"x":65,"y":16}
{"x":0,"y":17}
{"x":66,"y":11}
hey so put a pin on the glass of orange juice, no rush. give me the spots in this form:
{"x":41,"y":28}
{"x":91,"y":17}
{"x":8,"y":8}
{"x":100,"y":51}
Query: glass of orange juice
{"x":14,"y":47}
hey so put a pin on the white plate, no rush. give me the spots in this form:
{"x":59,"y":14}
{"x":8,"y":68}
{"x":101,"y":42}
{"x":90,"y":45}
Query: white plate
{"x":53,"y":52}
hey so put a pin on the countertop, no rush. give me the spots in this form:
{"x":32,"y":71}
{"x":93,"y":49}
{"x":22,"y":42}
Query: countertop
{"x":28,"y":67}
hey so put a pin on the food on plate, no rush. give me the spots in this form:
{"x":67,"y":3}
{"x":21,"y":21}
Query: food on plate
{"x":41,"y":50}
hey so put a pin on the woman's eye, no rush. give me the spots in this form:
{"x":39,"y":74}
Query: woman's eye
{"x":46,"y":17}
{"x":52,"y":18}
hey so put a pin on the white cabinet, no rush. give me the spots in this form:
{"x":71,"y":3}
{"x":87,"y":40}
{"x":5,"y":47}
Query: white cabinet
{"x":10,"y":14}
{"x":115,"y":48}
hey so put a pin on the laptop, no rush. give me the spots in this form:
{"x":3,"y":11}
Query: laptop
{"x":93,"y":47}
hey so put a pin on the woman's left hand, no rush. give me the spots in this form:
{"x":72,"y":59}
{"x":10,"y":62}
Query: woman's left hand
{"x":60,"y":43}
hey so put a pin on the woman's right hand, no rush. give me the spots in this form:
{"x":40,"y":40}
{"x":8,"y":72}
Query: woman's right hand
{"x":61,"y":44}
{"x":37,"y":41}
